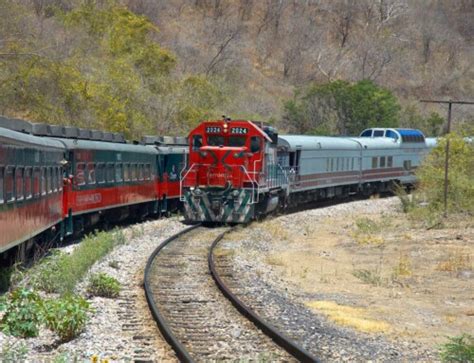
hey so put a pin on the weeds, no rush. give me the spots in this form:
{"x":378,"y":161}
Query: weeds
{"x":403,"y":268}
{"x":367,"y":230}
{"x":103,"y":285}
{"x":458,"y":349}
{"x":61,"y":272}
{"x":67,"y":316}
{"x":23,"y":314}
{"x":455,"y":262}
{"x":372,"y":277}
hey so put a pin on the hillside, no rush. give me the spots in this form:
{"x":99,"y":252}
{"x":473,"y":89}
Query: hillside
{"x":161,"y":66}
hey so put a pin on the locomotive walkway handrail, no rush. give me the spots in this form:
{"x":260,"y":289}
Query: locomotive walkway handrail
{"x":291,"y":347}
{"x":179,"y":349}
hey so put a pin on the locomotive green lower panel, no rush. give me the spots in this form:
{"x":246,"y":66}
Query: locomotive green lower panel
{"x":217,"y":205}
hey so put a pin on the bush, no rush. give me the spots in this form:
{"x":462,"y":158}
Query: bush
{"x":14,"y":352}
{"x":459,"y":349}
{"x":60,"y":273}
{"x":23,"y":313}
{"x":461,"y":175}
{"x":67,"y":316}
{"x":103,"y":285}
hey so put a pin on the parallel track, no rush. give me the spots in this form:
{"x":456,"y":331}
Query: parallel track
{"x":193,"y":315}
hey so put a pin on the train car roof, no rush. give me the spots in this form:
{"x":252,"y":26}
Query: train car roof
{"x":307,"y":142}
{"x":377,"y":142}
{"x":72,"y":144}
{"x":26,"y":139}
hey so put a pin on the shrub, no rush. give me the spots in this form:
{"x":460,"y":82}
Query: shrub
{"x":103,"y":285}
{"x":23,"y":313}
{"x":61,"y":272}
{"x":458,"y":349}
{"x":66,"y":316}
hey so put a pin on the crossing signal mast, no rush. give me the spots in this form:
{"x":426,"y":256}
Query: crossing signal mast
{"x":450,"y":104}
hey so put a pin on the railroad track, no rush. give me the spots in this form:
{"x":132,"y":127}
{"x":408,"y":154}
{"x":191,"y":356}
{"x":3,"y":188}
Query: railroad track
{"x":196,"y":312}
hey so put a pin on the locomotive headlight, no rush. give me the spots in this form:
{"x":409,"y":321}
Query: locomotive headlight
{"x":191,"y":188}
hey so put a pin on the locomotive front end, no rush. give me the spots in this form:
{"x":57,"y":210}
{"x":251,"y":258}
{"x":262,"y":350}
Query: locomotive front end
{"x":221,"y":181}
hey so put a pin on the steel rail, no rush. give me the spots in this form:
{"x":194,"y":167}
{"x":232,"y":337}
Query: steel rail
{"x":286,"y":343}
{"x":179,"y":349}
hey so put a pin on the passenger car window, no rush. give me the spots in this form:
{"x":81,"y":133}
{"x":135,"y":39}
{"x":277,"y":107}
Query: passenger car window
{"x":100,"y":173}
{"x":147,"y":171}
{"x":19,"y":184}
{"x":36,"y":182}
{"x":43,"y":181}
{"x":366,"y":133}
{"x":60,"y":178}
{"x":374,"y":163}
{"x":118,"y":172}
{"x":382,"y":161}
{"x":28,"y":186}
{"x":110,"y":173}
{"x":2,"y":199}
{"x":9,"y":190}
{"x":390,"y":161}
{"x":378,"y":133}
{"x":49,"y":180}
{"x":140,"y":172}
{"x":133,"y":171}
{"x":80,"y":177}
{"x":91,"y":178}
{"x":126,"y":172}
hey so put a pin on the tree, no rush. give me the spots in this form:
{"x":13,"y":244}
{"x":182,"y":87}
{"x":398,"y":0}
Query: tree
{"x":341,"y":108}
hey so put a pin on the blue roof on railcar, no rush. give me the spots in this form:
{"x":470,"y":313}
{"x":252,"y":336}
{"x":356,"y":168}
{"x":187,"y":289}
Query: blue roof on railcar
{"x":26,"y":139}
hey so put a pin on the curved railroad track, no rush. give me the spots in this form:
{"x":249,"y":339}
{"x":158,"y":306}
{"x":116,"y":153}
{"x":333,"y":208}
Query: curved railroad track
{"x":194,"y":316}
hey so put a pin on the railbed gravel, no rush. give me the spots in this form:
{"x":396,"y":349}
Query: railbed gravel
{"x":121,"y":329}
{"x":280,"y":303}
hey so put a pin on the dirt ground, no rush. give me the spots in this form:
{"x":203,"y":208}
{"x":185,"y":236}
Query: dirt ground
{"x":379,"y":272}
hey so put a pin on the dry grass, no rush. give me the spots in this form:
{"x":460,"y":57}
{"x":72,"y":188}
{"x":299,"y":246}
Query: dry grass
{"x":456,"y":261}
{"x":275,"y":260}
{"x":223,"y":252}
{"x":349,"y":316}
{"x":403,"y":267}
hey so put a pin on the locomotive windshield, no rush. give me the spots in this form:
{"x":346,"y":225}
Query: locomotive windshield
{"x":237,"y":141}
{"x":215,"y":140}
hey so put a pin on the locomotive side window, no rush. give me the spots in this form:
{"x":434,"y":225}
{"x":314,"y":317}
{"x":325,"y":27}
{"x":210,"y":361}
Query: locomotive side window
{"x":36,"y":182}
{"x":91,"y":177}
{"x":2,"y":199}
{"x":118,"y":172}
{"x":9,"y":190}
{"x":110,"y":173}
{"x":390,"y":161}
{"x":374,"y":163}
{"x":197,"y":142}
{"x":28,"y":186}
{"x":382,"y":161}
{"x":80,"y":177}
{"x":43,"y":181}
{"x":255,"y":144}
{"x":19,"y":191}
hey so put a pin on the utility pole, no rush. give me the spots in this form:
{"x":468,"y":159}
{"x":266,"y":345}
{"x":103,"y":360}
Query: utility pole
{"x":448,"y":130}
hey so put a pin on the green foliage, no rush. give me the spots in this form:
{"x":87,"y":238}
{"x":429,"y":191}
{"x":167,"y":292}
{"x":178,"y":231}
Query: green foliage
{"x":23,"y":313}
{"x":67,"y":316}
{"x":341,"y":108}
{"x":371,"y":277}
{"x":5,"y":276}
{"x":367,"y":225}
{"x":61,"y":272}
{"x":458,"y":349}
{"x":461,"y":176}
{"x":125,"y":85}
{"x":431,"y":125}
{"x":103,"y":285}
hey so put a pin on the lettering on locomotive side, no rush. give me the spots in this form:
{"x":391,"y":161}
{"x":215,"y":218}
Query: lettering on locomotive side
{"x":213,"y":130}
{"x":239,"y":130}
